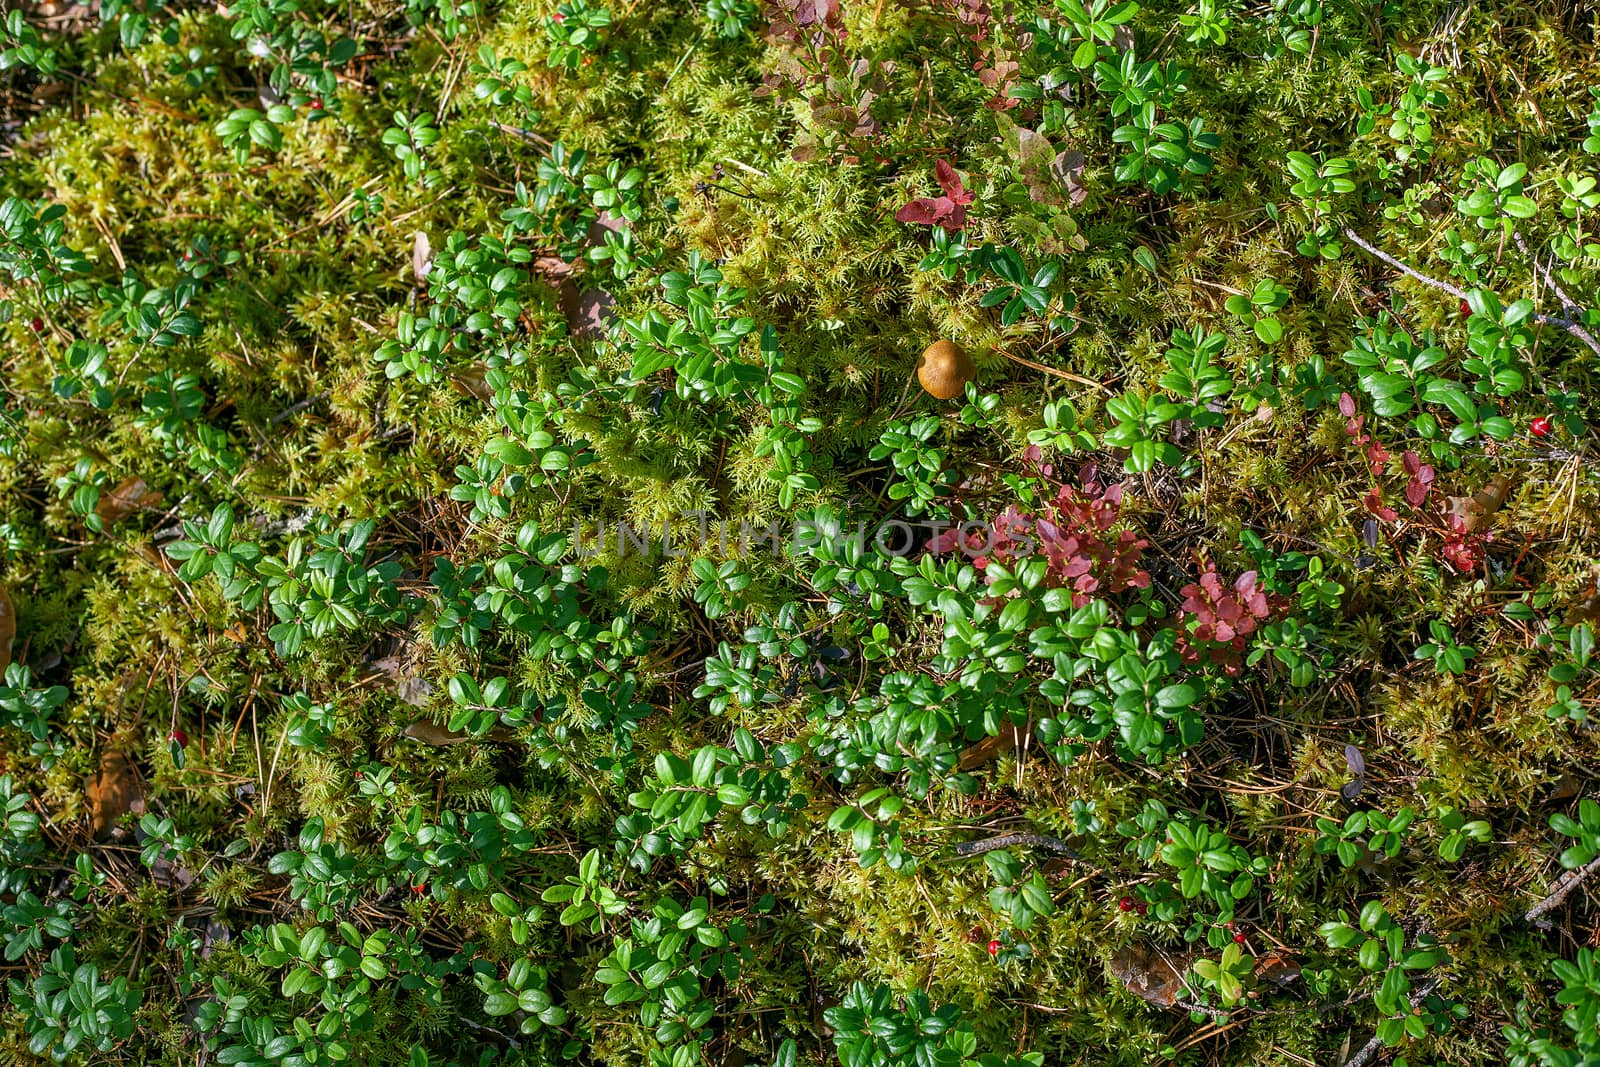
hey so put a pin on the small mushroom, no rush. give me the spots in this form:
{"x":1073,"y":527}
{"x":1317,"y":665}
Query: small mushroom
{"x":945,"y":369}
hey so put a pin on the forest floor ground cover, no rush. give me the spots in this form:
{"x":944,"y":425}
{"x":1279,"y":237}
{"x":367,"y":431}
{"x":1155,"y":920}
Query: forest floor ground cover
{"x":1133,"y":576}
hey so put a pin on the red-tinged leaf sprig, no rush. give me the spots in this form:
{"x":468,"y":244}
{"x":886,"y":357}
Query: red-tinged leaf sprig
{"x":1074,"y":533}
{"x":1220,"y":617}
{"x":949,"y":210}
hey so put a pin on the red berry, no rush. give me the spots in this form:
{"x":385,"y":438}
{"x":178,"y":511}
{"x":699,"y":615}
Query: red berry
{"x":1238,"y":939}
{"x":36,"y":324}
{"x":360,"y":777}
{"x":179,"y":737}
{"x":1126,"y":904}
{"x":419,"y":889}
{"x":559,"y":17}
{"x":1466,"y":309}
{"x":994,"y":948}
{"x":316,"y":105}
{"x":1143,"y":908}
{"x":1540,"y":427}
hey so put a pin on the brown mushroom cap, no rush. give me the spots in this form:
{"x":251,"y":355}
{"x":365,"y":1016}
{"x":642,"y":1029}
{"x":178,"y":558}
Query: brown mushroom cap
{"x":945,"y":369}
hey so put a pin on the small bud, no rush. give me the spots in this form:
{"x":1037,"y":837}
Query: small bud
{"x":1466,"y":309}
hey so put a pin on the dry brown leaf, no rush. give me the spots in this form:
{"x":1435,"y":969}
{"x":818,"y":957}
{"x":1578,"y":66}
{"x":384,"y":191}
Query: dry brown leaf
{"x":1475,"y":511}
{"x":1067,"y":170}
{"x":168,"y":875}
{"x":552,"y":268}
{"x":1150,"y":974}
{"x":432,"y":733}
{"x":216,"y":933}
{"x":113,"y":793}
{"x":587,"y":311}
{"x":421,"y":258}
{"x":989,"y":749}
{"x":8,"y":627}
{"x":604,"y":223}
{"x":128,"y":497}
{"x":1279,"y":970}
{"x":1056,"y":869}
{"x":473,"y":382}
{"x":414,"y":691}
{"x":404,"y":666}
{"x":1585,"y":610}
{"x":1567,"y":786}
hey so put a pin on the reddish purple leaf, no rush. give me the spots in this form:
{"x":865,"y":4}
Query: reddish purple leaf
{"x":924,"y":211}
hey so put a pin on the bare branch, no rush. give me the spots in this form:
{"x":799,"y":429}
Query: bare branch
{"x":1361,"y":243}
{"x":1049,"y":844}
{"x":1567,"y":304}
{"x":1365,"y":1053}
{"x":1564,"y":885}
{"x":1559,"y":892}
{"x":1572,"y":327}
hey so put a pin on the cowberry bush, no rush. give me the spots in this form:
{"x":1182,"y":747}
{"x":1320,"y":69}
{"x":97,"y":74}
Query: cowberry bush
{"x":482,"y":582}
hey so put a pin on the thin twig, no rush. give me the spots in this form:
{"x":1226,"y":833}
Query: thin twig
{"x":1564,"y":886}
{"x":295,"y":409}
{"x":1204,"y":1009}
{"x":1068,"y":375}
{"x":1366,"y":1052}
{"x":1567,"y":303}
{"x":501,"y":1034}
{"x":272,"y":775}
{"x":1049,"y":844}
{"x":1572,"y":327}
{"x":1387,"y":258}
{"x":517,"y":131}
